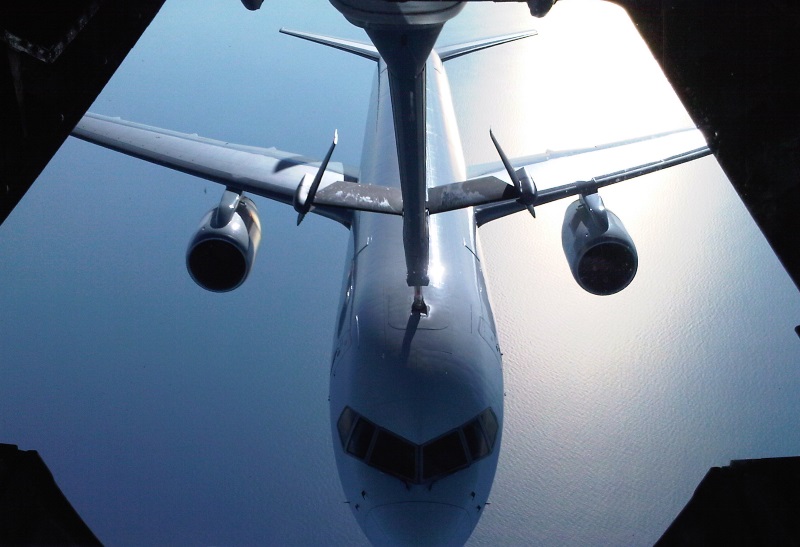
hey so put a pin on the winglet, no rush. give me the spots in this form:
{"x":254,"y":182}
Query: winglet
{"x":457,"y":50}
{"x":350,"y":46}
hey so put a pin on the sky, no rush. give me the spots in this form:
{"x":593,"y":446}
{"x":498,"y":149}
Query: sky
{"x":169,"y":415}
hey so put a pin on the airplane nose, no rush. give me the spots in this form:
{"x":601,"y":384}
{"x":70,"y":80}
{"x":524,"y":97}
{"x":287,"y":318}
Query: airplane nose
{"x":418,"y":523}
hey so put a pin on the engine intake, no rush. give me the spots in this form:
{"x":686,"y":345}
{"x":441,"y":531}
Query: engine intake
{"x":600,"y":252}
{"x":221,"y":253}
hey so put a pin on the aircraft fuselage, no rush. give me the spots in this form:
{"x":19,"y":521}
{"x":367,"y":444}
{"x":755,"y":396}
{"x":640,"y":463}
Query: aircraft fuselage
{"x":413,"y":392}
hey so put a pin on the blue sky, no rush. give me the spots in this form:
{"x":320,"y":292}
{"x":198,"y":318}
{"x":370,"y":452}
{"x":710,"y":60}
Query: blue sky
{"x":169,"y":415}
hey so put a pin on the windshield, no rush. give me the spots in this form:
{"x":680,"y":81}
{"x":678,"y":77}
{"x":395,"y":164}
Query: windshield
{"x":454,"y":450}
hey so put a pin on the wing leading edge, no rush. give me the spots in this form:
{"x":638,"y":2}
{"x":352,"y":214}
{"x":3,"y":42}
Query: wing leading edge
{"x":575,"y":172}
{"x":276,"y":175}
{"x":266,"y":172}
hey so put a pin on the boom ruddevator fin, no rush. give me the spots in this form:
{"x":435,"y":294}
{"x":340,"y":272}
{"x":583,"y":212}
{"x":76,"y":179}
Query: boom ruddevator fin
{"x":446,"y":53}
{"x":361,"y":49}
{"x":457,"y":50}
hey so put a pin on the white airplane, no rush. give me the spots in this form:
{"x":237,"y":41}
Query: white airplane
{"x":416,"y":381}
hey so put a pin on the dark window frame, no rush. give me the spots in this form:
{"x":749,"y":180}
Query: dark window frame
{"x":488,"y":428}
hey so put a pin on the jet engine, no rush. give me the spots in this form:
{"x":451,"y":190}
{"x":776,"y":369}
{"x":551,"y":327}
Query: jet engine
{"x":222,"y":251}
{"x":600,"y":252}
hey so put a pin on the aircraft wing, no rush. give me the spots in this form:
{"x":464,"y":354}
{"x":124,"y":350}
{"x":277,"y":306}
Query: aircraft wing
{"x":275,"y":174}
{"x":562,"y":174}
{"x":266,"y":172}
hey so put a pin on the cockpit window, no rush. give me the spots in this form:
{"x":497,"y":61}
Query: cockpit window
{"x":345,"y":423}
{"x":443,"y":456}
{"x":413,"y":463}
{"x":477,"y":444}
{"x":489,"y":421}
{"x":361,"y":438}
{"x":395,"y":455}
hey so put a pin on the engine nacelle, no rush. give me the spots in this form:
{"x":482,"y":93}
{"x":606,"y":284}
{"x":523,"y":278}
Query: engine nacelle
{"x":222,"y":251}
{"x":600,"y":252}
